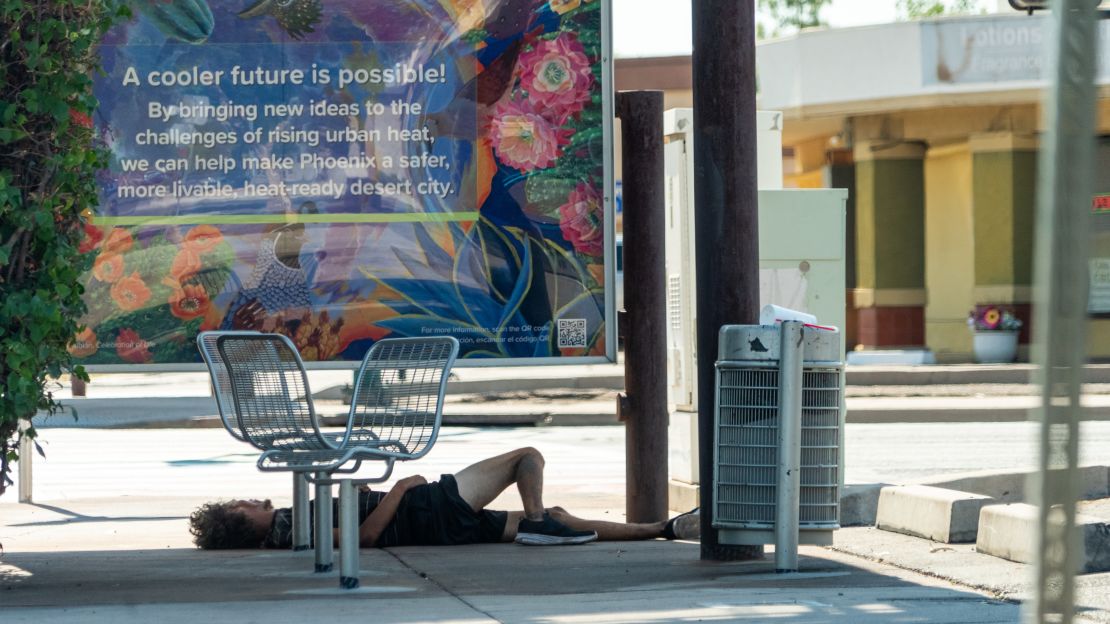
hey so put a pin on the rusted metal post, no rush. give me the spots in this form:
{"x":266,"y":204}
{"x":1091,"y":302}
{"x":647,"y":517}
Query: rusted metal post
{"x":726,"y":229}
{"x":643,"y":324}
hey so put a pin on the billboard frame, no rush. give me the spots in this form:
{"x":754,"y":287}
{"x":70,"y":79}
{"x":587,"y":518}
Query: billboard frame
{"x":608,"y":96}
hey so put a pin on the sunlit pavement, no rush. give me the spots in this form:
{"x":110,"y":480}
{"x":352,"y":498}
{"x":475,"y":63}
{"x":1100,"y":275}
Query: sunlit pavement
{"x":106,"y":542}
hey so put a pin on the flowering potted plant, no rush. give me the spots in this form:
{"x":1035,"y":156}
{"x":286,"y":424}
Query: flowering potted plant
{"x":995,"y":334}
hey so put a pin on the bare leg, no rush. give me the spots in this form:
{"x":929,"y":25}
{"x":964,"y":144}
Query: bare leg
{"x":606,"y":531}
{"x":482,"y":482}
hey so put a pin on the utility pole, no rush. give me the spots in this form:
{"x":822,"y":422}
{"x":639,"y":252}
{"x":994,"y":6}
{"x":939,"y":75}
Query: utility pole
{"x":644,"y":325}
{"x":726,"y":228}
{"x":1060,"y":300}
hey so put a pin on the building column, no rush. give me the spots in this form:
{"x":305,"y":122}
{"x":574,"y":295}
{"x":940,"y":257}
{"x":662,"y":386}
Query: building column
{"x":889,"y":296}
{"x":840,"y":172}
{"x":1004,"y":173}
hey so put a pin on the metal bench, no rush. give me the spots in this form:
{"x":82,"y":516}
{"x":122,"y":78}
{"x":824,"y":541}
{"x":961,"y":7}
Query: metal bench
{"x":395,"y":414}
{"x":225,"y":403}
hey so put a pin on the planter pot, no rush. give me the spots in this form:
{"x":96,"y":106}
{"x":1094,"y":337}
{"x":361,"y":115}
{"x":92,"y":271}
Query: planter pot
{"x":995,"y":347}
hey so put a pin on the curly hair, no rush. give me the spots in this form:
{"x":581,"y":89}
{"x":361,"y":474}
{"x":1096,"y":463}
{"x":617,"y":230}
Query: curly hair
{"x":218,"y":526}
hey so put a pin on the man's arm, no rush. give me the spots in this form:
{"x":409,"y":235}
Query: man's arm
{"x":371,"y":528}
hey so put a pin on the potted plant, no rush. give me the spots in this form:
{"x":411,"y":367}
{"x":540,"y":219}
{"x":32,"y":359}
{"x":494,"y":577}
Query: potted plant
{"x":994,"y":334}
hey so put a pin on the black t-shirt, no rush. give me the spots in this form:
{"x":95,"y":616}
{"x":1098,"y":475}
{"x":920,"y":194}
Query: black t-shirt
{"x":281,"y":529}
{"x":432,"y":514}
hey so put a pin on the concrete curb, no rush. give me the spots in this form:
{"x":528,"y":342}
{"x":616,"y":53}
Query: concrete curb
{"x":947,"y":374}
{"x":934,"y":513}
{"x":1010,"y":487}
{"x":1009,"y":532}
{"x":859,"y":502}
{"x":182,"y":411}
{"x":129,"y":412}
{"x":510,"y":384}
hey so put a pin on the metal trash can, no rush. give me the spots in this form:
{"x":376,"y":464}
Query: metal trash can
{"x":779,"y":417}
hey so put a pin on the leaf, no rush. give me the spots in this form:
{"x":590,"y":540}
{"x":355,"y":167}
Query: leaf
{"x":523,"y":286}
{"x":438,"y":259}
{"x":48,"y":170}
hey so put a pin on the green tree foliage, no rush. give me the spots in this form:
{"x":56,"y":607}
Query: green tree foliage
{"x":917,"y":9}
{"x":792,"y":15}
{"x":48,"y":166}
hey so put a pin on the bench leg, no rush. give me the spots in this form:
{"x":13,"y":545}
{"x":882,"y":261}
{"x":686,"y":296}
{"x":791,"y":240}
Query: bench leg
{"x":323,"y":524}
{"x":348,"y":535}
{"x":302,"y":524}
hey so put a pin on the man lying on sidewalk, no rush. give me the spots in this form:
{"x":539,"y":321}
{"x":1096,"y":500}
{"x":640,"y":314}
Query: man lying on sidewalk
{"x":449,"y":511}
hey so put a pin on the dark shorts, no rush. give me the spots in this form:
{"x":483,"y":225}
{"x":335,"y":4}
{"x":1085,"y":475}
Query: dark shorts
{"x":435,"y":515}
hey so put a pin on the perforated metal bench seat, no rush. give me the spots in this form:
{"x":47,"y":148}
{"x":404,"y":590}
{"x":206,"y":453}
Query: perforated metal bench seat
{"x":395,"y":415}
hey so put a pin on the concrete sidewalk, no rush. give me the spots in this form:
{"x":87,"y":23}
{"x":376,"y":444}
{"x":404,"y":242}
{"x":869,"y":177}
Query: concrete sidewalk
{"x":552,"y":407}
{"x":615,"y":582}
{"x":106,"y":542}
{"x":585,"y":395}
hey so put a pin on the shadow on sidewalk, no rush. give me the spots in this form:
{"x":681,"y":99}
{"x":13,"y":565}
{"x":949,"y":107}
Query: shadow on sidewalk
{"x":73,"y":516}
{"x":653,"y":581}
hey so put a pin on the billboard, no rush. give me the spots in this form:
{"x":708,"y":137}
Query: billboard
{"x":341,"y":171}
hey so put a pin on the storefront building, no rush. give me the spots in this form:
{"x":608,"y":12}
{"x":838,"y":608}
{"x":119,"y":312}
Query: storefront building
{"x":934,"y":128}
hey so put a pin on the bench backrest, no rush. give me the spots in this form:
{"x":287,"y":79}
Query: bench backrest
{"x":270,"y":391}
{"x":399,"y":392}
{"x":221,"y":382}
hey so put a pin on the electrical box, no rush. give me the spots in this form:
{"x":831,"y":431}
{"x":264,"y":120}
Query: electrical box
{"x":801,"y":267}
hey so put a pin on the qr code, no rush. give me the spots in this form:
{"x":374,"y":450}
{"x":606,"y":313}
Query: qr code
{"x":572,"y":333}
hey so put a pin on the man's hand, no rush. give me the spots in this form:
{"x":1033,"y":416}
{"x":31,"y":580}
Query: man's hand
{"x":408,"y":483}
{"x":372,"y":527}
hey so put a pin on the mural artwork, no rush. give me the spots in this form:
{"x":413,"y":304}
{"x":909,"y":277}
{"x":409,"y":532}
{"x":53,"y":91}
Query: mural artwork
{"x":340,"y":171}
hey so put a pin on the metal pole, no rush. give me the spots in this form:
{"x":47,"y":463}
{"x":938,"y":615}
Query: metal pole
{"x":302,"y":521}
{"x":789,"y":474}
{"x":322,"y":525}
{"x":1060,"y":300}
{"x":725,"y":221}
{"x":348,"y":535}
{"x":26,"y":465}
{"x":644,"y":322}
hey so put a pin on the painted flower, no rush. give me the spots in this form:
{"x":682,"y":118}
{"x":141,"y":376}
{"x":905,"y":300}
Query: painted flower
{"x":524,"y":139}
{"x":130,"y":293}
{"x":119,"y":240}
{"x":185,"y":265}
{"x":189,"y":302}
{"x":564,"y":6}
{"x":108,"y":267}
{"x":132,"y":348}
{"x":580,"y":220}
{"x":557,"y":76}
{"x":203,"y":239}
{"x":84,"y":344}
{"x":93,"y":236}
